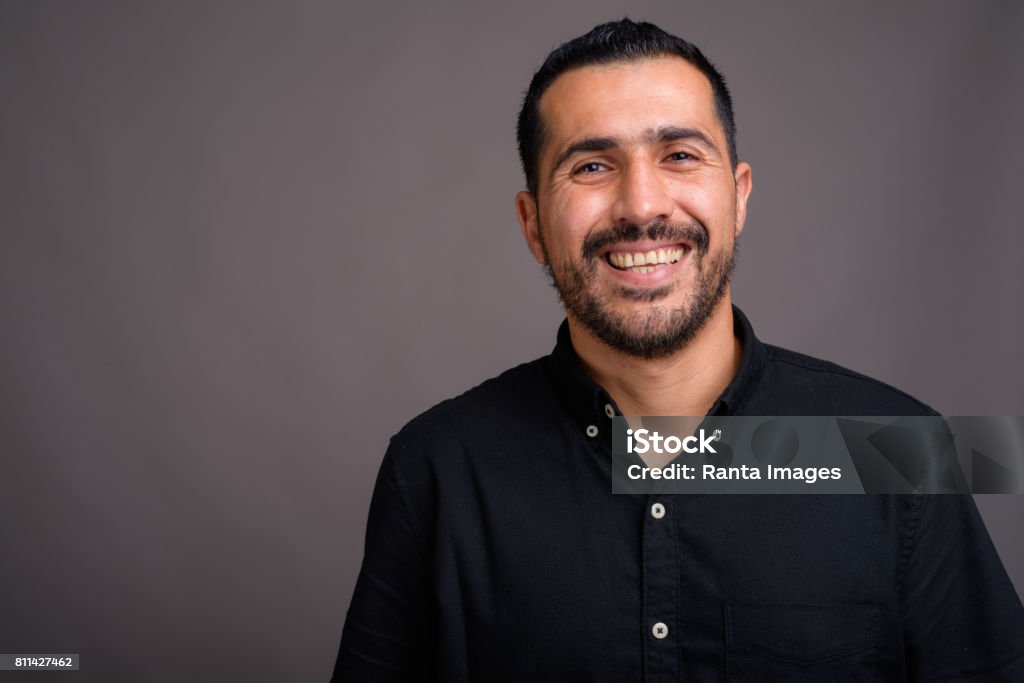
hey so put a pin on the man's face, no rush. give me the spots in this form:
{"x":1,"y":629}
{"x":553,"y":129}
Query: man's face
{"x":637,"y":209}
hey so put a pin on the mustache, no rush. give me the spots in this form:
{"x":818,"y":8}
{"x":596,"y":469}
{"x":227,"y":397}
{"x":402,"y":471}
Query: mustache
{"x":695,"y":233}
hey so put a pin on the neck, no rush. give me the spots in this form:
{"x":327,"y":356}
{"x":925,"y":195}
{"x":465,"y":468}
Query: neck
{"x":688,"y":382}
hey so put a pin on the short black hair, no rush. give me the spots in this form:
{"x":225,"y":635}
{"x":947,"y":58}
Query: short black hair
{"x":616,"y":41}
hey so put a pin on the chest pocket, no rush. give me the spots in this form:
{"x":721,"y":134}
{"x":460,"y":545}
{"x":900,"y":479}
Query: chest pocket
{"x":794,"y":643}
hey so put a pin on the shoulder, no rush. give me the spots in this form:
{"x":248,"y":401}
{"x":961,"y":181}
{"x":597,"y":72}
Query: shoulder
{"x":483,"y":435}
{"x":814,"y":386}
{"x":497,"y":405}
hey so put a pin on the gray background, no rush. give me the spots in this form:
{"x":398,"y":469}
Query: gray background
{"x":243,"y":243}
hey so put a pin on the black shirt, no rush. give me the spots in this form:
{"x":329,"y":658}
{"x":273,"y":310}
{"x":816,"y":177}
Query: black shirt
{"x":495,"y":551}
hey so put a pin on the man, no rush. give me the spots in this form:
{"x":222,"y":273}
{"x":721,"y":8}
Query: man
{"x":495,"y":550}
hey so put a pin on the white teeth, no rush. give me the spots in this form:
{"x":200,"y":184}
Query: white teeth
{"x":643,"y":262}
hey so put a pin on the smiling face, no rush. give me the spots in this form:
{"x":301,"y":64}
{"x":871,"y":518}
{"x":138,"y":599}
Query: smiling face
{"x":637,"y":209}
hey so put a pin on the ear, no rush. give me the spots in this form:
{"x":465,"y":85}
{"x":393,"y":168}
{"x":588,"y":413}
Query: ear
{"x":744,"y":183}
{"x":526,"y":211}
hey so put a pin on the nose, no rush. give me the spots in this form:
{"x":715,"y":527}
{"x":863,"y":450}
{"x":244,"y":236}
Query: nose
{"x":642,"y":195}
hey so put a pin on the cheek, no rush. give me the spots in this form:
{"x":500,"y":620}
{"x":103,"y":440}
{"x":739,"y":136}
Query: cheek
{"x":712,"y":203}
{"x":574,"y":216}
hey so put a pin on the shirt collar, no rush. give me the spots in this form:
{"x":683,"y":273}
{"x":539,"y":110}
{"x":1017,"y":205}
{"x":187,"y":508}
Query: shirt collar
{"x":590,"y":405}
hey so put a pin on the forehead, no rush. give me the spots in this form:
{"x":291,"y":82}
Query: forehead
{"x":622,"y":98}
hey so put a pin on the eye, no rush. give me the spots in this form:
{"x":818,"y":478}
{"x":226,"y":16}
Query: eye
{"x":588,"y":168}
{"x":681,"y":156}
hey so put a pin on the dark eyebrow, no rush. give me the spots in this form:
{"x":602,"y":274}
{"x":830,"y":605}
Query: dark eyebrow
{"x":649,"y":136}
{"x":584,"y":145}
{"x":673,"y":133}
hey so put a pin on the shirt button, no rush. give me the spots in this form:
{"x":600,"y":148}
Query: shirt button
{"x":608,"y":410}
{"x":659,"y":630}
{"x":591,"y":430}
{"x":657,"y":511}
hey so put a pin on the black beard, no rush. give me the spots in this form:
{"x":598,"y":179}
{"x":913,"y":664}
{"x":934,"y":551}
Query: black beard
{"x":661,"y":332}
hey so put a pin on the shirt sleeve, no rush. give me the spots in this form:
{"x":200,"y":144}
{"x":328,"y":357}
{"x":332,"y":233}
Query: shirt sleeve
{"x":961,"y":615}
{"x":386,"y":637}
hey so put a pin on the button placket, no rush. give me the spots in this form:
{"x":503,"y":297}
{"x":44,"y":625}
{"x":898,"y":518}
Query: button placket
{"x":660,"y":593}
